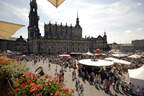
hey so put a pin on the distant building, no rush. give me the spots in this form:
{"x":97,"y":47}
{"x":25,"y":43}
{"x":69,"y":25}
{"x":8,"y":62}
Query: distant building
{"x":18,"y":44}
{"x":138,"y":44}
{"x":125,"y":47}
{"x":60,"y":38}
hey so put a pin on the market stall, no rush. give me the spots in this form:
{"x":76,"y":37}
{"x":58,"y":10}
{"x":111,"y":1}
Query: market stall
{"x":92,"y":62}
{"x":119,"y":61}
{"x":137,"y":76}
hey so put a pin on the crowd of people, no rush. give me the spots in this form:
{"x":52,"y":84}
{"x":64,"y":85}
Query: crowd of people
{"x":103,"y":78}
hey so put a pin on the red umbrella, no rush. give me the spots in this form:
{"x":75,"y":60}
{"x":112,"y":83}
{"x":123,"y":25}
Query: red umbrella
{"x":69,"y":57}
{"x":64,"y":57}
{"x":97,"y":50}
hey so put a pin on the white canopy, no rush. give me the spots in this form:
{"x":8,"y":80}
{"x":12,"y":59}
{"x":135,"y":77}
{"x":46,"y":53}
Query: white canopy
{"x":90,"y":62}
{"x":119,"y":55}
{"x":134,"y":56}
{"x":61,"y":55}
{"x":102,"y":54}
{"x":115,"y":60}
{"x":137,"y":73}
{"x":88,"y":53}
{"x":137,"y":76}
{"x":7,"y":29}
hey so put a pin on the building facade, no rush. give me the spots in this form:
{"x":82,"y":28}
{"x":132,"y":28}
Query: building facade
{"x":60,"y":38}
{"x":125,"y":47}
{"x":14,"y":45}
{"x":138,"y":44}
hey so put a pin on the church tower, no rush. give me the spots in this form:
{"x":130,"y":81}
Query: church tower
{"x":105,"y":37}
{"x":77,"y":34}
{"x":77,"y":21}
{"x":33,"y":29}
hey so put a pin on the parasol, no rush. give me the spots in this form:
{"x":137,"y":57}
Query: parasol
{"x":7,"y":29}
{"x":97,"y":50}
{"x":115,"y":60}
{"x":99,"y":62}
{"x":56,"y":3}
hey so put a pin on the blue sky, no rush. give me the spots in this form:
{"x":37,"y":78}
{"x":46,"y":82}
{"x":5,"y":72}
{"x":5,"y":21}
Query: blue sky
{"x":123,"y":20}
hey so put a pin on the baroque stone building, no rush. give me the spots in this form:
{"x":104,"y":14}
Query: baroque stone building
{"x":60,"y":38}
{"x":18,"y":44}
{"x":138,"y":44}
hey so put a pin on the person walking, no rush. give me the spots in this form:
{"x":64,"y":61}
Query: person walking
{"x":49,"y":66}
{"x":73,"y":75}
{"x":77,"y":84}
{"x":138,"y":91}
{"x":81,"y":88}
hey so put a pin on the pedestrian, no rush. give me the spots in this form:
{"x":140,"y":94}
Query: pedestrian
{"x":138,"y":91}
{"x":81,"y":88}
{"x":73,"y":75}
{"x":77,"y":84}
{"x":142,"y":91}
{"x":107,"y":86}
{"x":49,"y":66}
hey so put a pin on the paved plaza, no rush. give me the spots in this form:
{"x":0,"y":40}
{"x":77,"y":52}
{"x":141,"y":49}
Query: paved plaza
{"x":89,"y":90}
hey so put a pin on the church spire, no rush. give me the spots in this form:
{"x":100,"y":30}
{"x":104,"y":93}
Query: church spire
{"x":77,"y":20}
{"x":104,"y":32}
{"x":33,"y":28}
{"x":77,"y":14}
{"x":105,"y":36}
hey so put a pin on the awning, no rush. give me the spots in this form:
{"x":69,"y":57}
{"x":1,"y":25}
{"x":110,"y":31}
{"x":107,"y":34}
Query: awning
{"x":62,"y":55}
{"x":56,"y":3}
{"x":119,"y":55}
{"x":75,"y":53}
{"x":115,"y":60}
{"x":137,"y":73}
{"x":88,"y":53}
{"x":134,"y":56}
{"x":98,"y":62}
{"x":137,"y":76}
{"x":7,"y":29}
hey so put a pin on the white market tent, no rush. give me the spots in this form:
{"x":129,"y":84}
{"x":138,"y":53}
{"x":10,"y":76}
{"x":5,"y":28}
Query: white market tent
{"x":119,"y":55}
{"x":137,"y":76}
{"x":88,"y":53}
{"x":99,"y":62}
{"x":62,"y":55}
{"x":137,"y":73}
{"x":135,"y":56}
{"x":115,"y":60}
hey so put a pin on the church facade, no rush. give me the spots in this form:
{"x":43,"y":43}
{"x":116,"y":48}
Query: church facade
{"x":60,"y":38}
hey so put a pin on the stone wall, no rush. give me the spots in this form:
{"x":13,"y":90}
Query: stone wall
{"x":12,"y":45}
{"x":44,"y":46}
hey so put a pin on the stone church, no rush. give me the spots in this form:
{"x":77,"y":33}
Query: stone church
{"x":60,"y":38}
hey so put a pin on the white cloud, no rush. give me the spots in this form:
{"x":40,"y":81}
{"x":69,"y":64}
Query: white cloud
{"x":139,"y":4}
{"x":94,"y":17}
{"x":117,"y":18}
{"x":128,"y":31}
{"x":21,"y":13}
{"x":140,"y":29}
